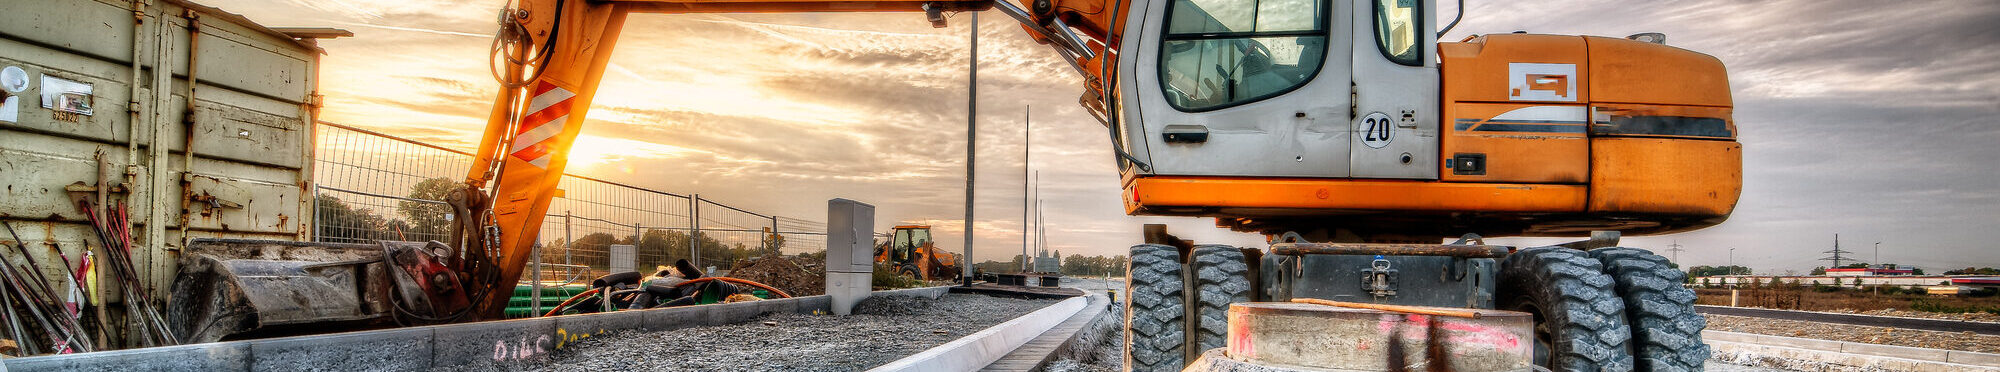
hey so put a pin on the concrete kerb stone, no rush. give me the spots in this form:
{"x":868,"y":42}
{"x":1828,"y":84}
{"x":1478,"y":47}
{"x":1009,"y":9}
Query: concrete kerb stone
{"x":497,"y":343}
{"x":779,"y":306}
{"x":815,"y":305}
{"x":573,"y":328}
{"x":394,"y":349}
{"x":221,"y":356}
{"x":1793,"y":342}
{"x":719,"y":314}
{"x":1822,"y":360}
{"x":482,"y":344}
{"x":1973,"y":358}
{"x":1850,"y":353}
{"x":925,"y":292}
{"x":982,"y":348}
{"x":674,"y":318}
{"x":1904,"y":352}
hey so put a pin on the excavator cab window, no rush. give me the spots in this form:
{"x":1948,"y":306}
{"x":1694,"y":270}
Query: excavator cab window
{"x":1396,"y":31}
{"x":1222,"y":53}
{"x":919,"y":237}
{"x":900,"y":247}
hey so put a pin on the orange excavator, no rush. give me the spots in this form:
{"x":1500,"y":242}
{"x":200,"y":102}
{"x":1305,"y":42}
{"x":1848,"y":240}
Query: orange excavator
{"x":1343,"y":130}
{"x":910,"y":251}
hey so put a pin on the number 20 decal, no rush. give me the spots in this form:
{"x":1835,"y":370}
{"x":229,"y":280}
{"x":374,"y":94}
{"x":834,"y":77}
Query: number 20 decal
{"x":1376,"y":129}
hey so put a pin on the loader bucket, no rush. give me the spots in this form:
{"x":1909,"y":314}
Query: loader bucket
{"x":229,"y":287}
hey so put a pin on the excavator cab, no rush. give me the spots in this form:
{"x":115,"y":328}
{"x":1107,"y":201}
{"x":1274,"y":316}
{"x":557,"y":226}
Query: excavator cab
{"x":910,"y":251}
{"x":1348,"y":118}
{"x":1355,"y":141}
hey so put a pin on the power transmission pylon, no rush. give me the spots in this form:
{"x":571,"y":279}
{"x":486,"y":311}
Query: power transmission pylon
{"x":1675,"y":249}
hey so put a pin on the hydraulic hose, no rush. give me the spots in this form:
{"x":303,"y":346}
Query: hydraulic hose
{"x":586,"y":294}
{"x":571,"y":301}
{"x":779,"y":292}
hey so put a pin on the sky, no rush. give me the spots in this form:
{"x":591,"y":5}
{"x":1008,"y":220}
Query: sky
{"x":1873,"y":120}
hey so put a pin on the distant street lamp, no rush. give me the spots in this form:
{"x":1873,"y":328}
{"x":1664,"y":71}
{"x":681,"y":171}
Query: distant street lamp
{"x":1878,"y":255}
{"x":1732,"y":261}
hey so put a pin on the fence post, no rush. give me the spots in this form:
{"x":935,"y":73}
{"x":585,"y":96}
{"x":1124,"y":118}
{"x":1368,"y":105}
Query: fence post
{"x":694,"y":231}
{"x":535,"y":297}
{"x":774,"y":233}
{"x":569,"y":242}
{"x":317,"y":236}
{"x":638,"y":233}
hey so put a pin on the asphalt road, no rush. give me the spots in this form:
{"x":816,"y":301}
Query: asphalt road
{"x":1854,"y":319}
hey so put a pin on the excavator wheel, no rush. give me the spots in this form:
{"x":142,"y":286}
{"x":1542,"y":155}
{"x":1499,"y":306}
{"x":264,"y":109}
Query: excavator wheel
{"x":910,"y":271}
{"x":1666,"y":332}
{"x":1579,"y":318}
{"x":1220,"y":278}
{"x":1154,"y":310}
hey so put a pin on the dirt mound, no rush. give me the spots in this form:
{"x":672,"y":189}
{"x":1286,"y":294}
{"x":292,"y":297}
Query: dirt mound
{"x":799,"y":276}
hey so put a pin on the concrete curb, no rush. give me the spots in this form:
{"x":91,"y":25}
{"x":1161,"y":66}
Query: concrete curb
{"x":925,"y":292}
{"x":1780,"y":351}
{"x":982,"y":348}
{"x":491,"y":344}
{"x":1037,"y":353}
{"x":480,"y":344}
{"x":1927,"y":324}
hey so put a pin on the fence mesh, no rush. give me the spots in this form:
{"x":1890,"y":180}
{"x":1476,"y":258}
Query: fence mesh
{"x":372,"y":186}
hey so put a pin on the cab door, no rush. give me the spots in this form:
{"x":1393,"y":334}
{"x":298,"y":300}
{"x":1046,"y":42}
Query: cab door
{"x":1395,"y":126}
{"x":1239,"y":87}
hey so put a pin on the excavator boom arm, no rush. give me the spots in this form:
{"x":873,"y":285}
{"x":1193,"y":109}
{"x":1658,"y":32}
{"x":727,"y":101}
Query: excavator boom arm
{"x":550,"y":56}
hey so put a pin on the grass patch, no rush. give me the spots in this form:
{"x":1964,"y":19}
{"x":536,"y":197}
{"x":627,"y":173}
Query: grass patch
{"x":885,"y":279}
{"x":1829,"y":298}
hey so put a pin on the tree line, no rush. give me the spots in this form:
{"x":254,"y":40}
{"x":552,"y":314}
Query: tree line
{"x":1074,"y":265}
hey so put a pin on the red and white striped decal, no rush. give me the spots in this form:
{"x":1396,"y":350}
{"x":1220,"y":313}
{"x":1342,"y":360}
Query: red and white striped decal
{"x":548,"y":111}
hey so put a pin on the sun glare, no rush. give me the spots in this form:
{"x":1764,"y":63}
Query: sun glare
{"x":592,"y":151}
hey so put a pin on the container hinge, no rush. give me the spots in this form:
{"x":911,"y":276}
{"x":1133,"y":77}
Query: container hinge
{"x":1353,"y":100}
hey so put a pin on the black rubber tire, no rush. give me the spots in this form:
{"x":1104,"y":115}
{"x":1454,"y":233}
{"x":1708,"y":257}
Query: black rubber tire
{"x":1579,"y":318}
{"x":1220,"y":278}
{"x":1666,"y":332}
{"x":1154,"y":314}
{"x":911,"y":272}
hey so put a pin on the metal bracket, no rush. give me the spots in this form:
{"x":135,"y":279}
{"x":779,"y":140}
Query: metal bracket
{"x":1598,"y":239}
{"x":1379,"y":279}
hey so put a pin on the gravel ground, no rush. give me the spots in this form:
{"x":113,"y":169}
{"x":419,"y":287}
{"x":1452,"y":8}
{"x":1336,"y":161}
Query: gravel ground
{"x":1101,"y":346}
{"x":883,"y":329}
{"x":1966,"y":341}
{"x":1966,"y":317}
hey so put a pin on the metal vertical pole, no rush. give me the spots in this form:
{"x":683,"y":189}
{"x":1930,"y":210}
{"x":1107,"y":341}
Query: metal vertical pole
{"x":569,"y":242}
{"x":535,"y":297}
{"x":1027,"y":165}
{"x":774,"y":233}
{"x":638,"y":233}
{"x":694,"y":230}
{"x":971,"y":150}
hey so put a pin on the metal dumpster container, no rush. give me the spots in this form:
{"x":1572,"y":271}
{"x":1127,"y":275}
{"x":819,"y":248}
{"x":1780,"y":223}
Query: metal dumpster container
{"x":105,"y":103}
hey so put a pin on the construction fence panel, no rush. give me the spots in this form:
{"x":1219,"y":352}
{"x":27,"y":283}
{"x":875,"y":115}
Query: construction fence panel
{"x":373,"y":186}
